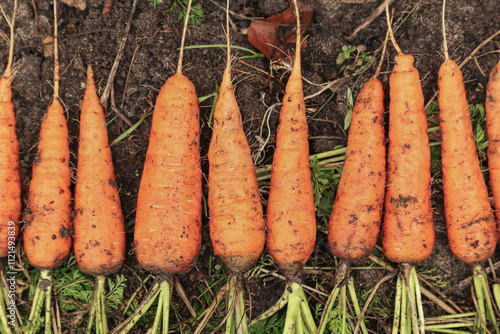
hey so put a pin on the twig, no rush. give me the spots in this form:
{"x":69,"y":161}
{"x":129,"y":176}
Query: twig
{"x":376,"y":13}
{"x":107,"y":90}
{"x":115,"y":109}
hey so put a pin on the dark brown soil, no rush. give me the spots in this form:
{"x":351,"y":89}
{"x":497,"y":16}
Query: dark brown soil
{"x":90,"y":38}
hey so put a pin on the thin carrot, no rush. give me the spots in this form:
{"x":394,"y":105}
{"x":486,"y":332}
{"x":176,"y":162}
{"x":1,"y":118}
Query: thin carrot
{"x":493,"y":129}
{"x":470,"y":220}
{"x":408,"y":234}
{"x":47,"y":233}
{"x":169,"y":205}
{"x":99,"y":242}
{"x":10,"y":183}
{"x":99,"y":232}
{"x":291,"y":217}
{"x":471,"y":224}
{"x":357,"y":211}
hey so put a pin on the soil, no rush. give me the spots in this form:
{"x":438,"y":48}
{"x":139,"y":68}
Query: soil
{"x":89,"y":38}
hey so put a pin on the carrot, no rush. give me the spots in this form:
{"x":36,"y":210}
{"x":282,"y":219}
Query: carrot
{"x":99,"y":232}
{"x":471,"y":224}
{"x":99,"y":242}
{"x":357,"y":211}
{"x":10,"y":183}
{"x":408,"y":234}
{"x":493,"y":130}
{"x":47,"y":233}
{"x":291,"y":217}
{"x":237,"y":227}
{"x":167,"y":232}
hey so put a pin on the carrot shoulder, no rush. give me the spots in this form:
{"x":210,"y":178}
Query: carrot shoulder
{"x":10,"y":183}
{"x":236,"y":218}
{"x":493,"y":128}
{"x":470,"y":220}
{"x":291,"y":218}
{"x":47,"y":235}
{"x":99,"y":241}
{"x":357,"y":210}
{"x":408,"y":226}
{"x":168,"y":221}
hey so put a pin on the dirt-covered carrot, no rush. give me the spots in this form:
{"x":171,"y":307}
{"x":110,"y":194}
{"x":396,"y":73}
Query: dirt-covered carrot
{"x":10,"y":183}
{"x":291,"y":218}
{"x":493,"y":129}
{"x":168,"y":221}
{"x":408,"y":234}
{"x":237,"y":227}
{"x":99,"y":240}
{"x":471,"y":224}
{"x":357,"y":211}
{"x":47,"y":233}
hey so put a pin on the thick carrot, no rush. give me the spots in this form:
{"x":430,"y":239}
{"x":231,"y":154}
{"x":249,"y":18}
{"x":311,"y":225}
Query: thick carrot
{"x":408,"y":226}
{"x":469,"y":217}
{"x":99,"y":242}
{"x":291,"y":218}
{"x":493,"y":129}
{"x":357,"y":210}
{"x":236,"y":219}
{"x":10,"y":183}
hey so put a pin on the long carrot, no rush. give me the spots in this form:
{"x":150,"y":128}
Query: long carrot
{"x":357,"y":211}
{"x":408,"y":234}
{"x":10,"y":189}
{"x":471,"y":224}
{"x":47,"y":233}
{"x":291,"y":218}
{"x":10,"y":183}
{"x":237,"y":227}
{"x":493,"y":130}
{"x":168,"y":221}
{"x":99,"y":242}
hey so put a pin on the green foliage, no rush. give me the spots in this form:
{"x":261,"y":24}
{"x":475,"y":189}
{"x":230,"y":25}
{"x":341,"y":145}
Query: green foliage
{"x":431,"y":275}
{"x":478,"y":117}
{"x":359,"y":56}
{"x":334,"y":325}
{"x":272,"y":325}
{"x":325,"y":182}
{"x":114,"y":297}
{"x":196,"y":16}
{"x":74,"y":288}
{"x":350,"y":104}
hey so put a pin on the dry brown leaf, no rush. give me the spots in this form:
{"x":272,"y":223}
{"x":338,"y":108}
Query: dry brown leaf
{"x":48,"y":46}
{"x":80,"y":4}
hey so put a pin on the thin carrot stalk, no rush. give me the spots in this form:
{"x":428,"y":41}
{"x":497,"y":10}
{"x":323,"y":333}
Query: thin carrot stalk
{"x":47,"y":233}
{"x":10,"y":182}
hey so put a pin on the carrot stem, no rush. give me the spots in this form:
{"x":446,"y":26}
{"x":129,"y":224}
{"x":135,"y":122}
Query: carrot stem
{"x":445,"y":44}
{"x":340,"y":276}
{"x":299,"y":324}
{"x":484,"y":298}
{"x":391,"y":32}
{"x":293,"y":308}
{"x":231,"y":297}
{"x":42,"y":294}
{"x":8,"y":69}
{"x":282,"y":301}
{"x":56,"y":55}
{"x":97,"y":305}
{"x":420,"y":309}
{"x":306,"y":312}
{"x":3,"y":313}
{"x":156,"y":323}
{"x":496,"y":294}
{"x":184,"y":30}
{"x":343,"y":297}
{"x":48,"y":295}
{"x":397,"y":306}
{"x":135,"y":294}
{"x":166,"y":292}
{"x":241,"y":317}
{"x":355,"y":302}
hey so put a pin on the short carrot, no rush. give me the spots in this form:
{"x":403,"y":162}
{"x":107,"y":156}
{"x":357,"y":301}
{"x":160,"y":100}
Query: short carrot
{"x":10,"y":183}
{"x":99,"y":241}
{"x":48,"y":232}
{"x":493,"y":130}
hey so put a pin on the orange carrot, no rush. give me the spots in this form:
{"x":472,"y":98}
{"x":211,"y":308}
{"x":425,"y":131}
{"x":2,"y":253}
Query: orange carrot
{"x":408,"y":226}
{"x":291,"y":218}
{"x":493,"y":130}
{"x":469,"y":217}
{"x":99,"y":232}
{"x":10,"y":183}
{"x":168,"y":220}
{"x":236,"y":218}
{"x":357,"y":210}
{"x":47,"y":235}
